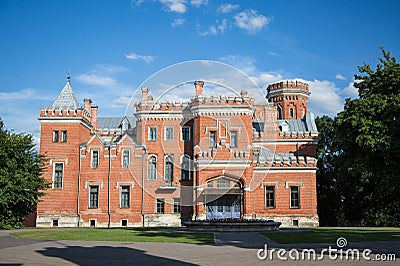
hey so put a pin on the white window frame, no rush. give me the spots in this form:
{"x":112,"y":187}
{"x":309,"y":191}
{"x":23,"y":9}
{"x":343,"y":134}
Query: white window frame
{"x":64,"y":136}
{"x":173,"y":205}
{"x":91,"y":159}
{"x":156,"y":210}
{"x":56,"y":133}
{"x":129,"y":196}
{"x":298,"y":192}
{"x":129,"y":158}
{"x":265,"y":197}
{"x":54,"y":175}
{"x":214,"y":140}
{"x":236,"y":139}
{"x":98,"y":196}
{"x":165,"y":133}
{"x":165,"y":166}
{"x":149,"y":135}
{"x":148,"y":163}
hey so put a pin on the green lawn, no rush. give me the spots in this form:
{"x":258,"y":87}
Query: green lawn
{"x":330,"y":235}
{"x":121,"y":235}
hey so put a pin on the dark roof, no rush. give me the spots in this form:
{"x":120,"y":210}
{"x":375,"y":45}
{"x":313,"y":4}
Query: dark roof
{"x":114,"y":122}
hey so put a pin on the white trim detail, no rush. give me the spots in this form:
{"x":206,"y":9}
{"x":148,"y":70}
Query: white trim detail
{"x":295,"y":183}
{"x":124,"y":183}
{"x":94,"y":183}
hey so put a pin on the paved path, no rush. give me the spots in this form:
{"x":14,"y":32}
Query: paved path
{"x":230,"y":249}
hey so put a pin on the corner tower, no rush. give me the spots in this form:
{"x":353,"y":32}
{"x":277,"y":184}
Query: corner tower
{"x":64,"y":126}
{"x":290,"y":98}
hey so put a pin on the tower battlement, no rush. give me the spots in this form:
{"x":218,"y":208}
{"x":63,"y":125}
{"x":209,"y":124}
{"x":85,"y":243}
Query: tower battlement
{"x":288,"y":84}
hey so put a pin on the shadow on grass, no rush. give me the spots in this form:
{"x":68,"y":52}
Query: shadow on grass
{"x":105,"y":255}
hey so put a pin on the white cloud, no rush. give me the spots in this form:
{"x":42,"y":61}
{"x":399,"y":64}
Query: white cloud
{"x":121,"y":102}
{"x":178,"y":22}
{"x":227,"y":8}
{"x":135,"y":3}
{"x":198,"y":3}
{"x":17,"y":95}
{"x":350,"y":91}
{"x":243,"y":63}
{"x":273,"y":53}
{"x":340,"y":77}
{"x":251,"y":21}
{"x":215,"y":29}
{"x":146,"y":58}
{"x":325,"y":98}
{"x":98,"y":80}
{"x":178,"y":6}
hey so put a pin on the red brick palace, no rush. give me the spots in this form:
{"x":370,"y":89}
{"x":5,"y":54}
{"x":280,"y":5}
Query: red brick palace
{"x":208,"y":157}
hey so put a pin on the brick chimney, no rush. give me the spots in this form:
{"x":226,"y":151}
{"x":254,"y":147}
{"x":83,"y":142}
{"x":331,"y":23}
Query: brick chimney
{"x":199,"y":87}
{"x":93,"y":118}
{"x":145,"y":93}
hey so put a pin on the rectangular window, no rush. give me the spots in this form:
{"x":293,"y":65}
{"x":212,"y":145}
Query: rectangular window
{"x":93,"y":197}
{"x":176,"y":202}
{"x":55,"y":136}
{"x":64,"y":136}
{"x":269,"y":197}
{"x":169,"y":169}
{"x":95,"y":159}
{"x":58,"y":175}
{"x":125,"y":159}
{"x":160,"y":205}
{"x":169,"y":133}
{"x":152,"y":175}
{"x":233,"y":139}
{"x":213,"y":139}
{"x":186,"y":134}
{"x":294,"y":197}
{"x":152,"y":133}
{"x":185,"y":168}
{"x":125,"y":196}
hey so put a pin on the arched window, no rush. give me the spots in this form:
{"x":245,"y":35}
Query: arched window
{"x":152,"y":168}
{"x":185,"y":167}
{"x":169,"y":169}
{"x":280,"y":116}
{"x":291,"y":112}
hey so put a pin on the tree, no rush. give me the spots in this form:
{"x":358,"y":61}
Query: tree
{"x":21,"y":183}
{"x":328,"y":201}
{"x":367,"y":134}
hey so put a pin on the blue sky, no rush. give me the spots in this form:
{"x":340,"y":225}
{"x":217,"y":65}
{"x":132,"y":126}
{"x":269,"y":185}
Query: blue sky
{"x":112,"y":47}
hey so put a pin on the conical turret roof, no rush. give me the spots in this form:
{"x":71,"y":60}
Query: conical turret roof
{"x":66,"y":99}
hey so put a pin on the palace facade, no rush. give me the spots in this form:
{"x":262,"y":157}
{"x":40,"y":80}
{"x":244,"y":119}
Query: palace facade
{"x":208,"y":157}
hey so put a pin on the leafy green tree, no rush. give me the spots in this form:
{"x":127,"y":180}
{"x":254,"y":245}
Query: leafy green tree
{"x":368,"y":135}
{"x":328,"y":198}
{"x":21,"y":183}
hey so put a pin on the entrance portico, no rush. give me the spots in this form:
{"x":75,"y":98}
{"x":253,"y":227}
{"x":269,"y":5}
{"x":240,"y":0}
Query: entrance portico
{"x":223,"y":198}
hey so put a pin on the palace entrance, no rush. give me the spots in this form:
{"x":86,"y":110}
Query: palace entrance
{"x":224,"y":198}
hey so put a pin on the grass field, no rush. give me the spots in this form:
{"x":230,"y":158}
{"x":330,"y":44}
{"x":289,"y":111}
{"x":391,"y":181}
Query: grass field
{"x":120,"y":235}
{"x":330,"y":235}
